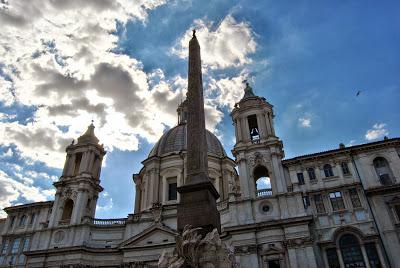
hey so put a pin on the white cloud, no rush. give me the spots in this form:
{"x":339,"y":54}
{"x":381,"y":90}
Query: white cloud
{"x":228,"y":45}
{"x":11,"y":190}
{"x":8,"y":153}
{"x":229,"y":90}
{"x":108,"y":202}
{"x":377,"y":131}
{"x":65,"y":66}
{"x":351,"y":143}
{"x":305,"y":122}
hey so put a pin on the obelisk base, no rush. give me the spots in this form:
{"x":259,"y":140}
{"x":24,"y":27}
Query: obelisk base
{"x":198,"y":207}
{"x":194,"y":251}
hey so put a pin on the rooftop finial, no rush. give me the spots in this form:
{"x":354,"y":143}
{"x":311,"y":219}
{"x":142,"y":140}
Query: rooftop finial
{"x":194,"y":33}
{"x":248,"y":90}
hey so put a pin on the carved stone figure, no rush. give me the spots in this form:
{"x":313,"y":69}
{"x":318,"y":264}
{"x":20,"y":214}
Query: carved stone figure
{"x":194,"y":251}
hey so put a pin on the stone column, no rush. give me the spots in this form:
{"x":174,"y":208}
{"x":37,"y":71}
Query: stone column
{"x":66,"y":164}
{"x":340,"y":257}
{"x":165,"y":189}
{"x":137,"y":198}
{"x":84,"y":162}
{"x":246,"y":134}
{"x":53,"y":217}
{"x":149,"y":189}
{"x":78,"y":207}
{"x":271,"y":123}
{"x":380,"y":254}
{"x":365,"y":256}
{"x":293,"y":258}
{"x":143,"y":195}
{"x":91,"y":162}
{"x":71,"y":166}
{"x":279,"y":180}
{"x":243,"y":178}
{"x":238,"y":130}
{"x":156,"y":185}
{"x":310,"y":257}
{"x":268,"y":126}
{"x":262,"y":126}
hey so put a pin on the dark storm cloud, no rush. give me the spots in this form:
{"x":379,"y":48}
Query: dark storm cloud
{"x":167,"y":104}
{"x":40,"y":138}
{"x":12,"y":19}
{"x":37,"y":138}
{"x":73,"y":108}
{"x":97,"y":5}
{"x":116,"y":83}
{"x":56,"y":82}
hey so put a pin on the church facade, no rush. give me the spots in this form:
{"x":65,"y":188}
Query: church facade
{"x":336,"y":209}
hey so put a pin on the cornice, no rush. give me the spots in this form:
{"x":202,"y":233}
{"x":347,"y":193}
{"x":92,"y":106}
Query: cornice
{"x":343,"y":151}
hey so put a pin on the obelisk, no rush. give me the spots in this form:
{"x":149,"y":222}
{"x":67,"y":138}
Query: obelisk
{"x":198,"y":195}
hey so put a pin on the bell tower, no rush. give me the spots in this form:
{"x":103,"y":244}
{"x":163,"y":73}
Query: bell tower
{"x":258,"y":151}
{"x":79,"y":185}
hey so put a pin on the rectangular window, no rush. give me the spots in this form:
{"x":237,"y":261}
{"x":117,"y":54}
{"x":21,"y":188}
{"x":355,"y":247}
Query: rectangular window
{"x":333,"y":260}
{"x":345,"y":168}
{"x":355,"y":200}
{"x":78,"y":159}
{"x":172,"y":191}
{"x":12,"y":221}
{"x":5,"y":247}
{"x":319,"y":203}
{"x":33,"y":216}
{"x":300,"y":177}
{"x":311,"y":174}
{"x":15,"y":245}
{"x":253,"y":128}
{"x":306,"y":201}
{"x":336,"y":201}
{"x":372,"y":254}
{"x":26,"y":243}
{"x":12,"y":259}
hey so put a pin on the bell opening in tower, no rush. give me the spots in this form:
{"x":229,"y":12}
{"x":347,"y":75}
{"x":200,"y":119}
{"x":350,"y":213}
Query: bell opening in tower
{"x":253,"y":128}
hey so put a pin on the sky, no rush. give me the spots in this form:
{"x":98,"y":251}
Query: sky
{"x":123,"y":64}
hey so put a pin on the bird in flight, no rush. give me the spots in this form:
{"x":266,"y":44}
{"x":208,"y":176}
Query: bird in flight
{"x":358,"y":93}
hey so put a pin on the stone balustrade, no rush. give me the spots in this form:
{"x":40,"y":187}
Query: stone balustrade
{"x":108,"y":222}
{"x":264,"y":192}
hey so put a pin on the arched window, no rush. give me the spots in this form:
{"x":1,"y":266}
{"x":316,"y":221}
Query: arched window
{"x":262,"y":180}
{"x":328,"y":170}
{"x":383,"y":171}
{"x":22,"y":221}
{"x":351,"y":251}
{"x":67,"y":211}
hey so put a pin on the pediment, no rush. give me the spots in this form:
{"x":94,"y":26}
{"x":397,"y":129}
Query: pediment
{"x":154,"y":235}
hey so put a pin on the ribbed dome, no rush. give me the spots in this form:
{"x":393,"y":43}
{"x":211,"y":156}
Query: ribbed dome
{"x":174,"y":140}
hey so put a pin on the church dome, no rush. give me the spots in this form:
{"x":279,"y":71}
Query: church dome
{"x":174,"y":141}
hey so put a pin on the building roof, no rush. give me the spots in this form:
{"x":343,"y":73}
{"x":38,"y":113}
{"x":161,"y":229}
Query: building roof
{"x":30,"y":205}
{"x":89,"y":136}
{"x":343,"y":150}
{"x":174,"y":140}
